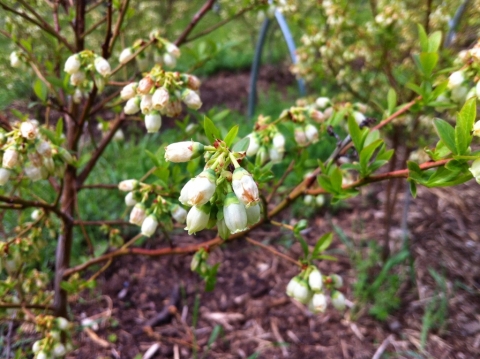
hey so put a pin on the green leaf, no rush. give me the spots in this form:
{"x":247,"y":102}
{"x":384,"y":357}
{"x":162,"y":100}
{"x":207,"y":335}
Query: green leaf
{"x":413,"y":188}
{"x":337,"y":179}
{"x":423,"y":38}
{"x":415,"y":88}
{"x":220,"y":115}
{"x":242,"y":145}
{"x":325,"y":183}
{"x":434,"y":41}
{"x":392,"y":100}
{"x":211,"y":279}
{"x":59,"y":128}
{"x":325,"y":257}
{"x":40,"y":90}
{"x":428,"y":61}
{"x":231,"y":135}
{"x":446,"y":133}
{"x":211,"y":131}
{"x":366,"y":154}
{"x":355,"y":133}
{"x":154,"y":158}
{"x":322,"y":244}
{"x":464,"y":127}
{"x":213,"y":337}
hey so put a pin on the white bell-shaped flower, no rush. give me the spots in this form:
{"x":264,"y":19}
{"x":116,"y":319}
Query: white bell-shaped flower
{"x":179,"y":214}
{"x":245,"y":187}
{"x":234,"y":214}
{"x":183,"y":151}
{"x":126,"y":55}
{"x":102,"y":66}
{"x":197,"y":218}
{"x":253,"y":214}
{"x":138,"y":214}
{"x":312,"y":133}
{"x":318,"y":303}
{"x":4,"y":176}
{"x":153,"y":121}
{"x":128,"y":185}
{"x":10,"y":158}
{"x":72,"y":64}
{"x":315,"y":280}
{"x":146,"y":104}
{"x":202,"y":188}
{"x":149,"y":225}
{"x":191,"y":99}
{"x":160,"y":98}
{"x":132,"y":106}
{"x":253,"y":145}
{"x":129,"y":91}
{"x":338,"y":300}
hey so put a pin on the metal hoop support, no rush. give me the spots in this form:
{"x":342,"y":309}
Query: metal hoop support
{"x":287,"y":35}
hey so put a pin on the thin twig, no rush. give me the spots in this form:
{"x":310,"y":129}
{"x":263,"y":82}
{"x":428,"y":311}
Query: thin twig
{"x":196,"y":18}
{"x":280,"y":182}
{"x":274,"y":251}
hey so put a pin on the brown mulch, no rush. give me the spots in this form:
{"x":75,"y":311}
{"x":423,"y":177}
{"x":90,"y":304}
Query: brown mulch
{"x":250,"y":304}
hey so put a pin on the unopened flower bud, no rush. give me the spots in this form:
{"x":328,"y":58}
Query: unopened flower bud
{"x":301,"y":292}
{"x":312,"y":133}
{"x":169,"y":60}
{"x":28,"y":130}
{"x":322,"y":102}
{"x":37,"y":346}
{"x":253,"y":214}
{"x":278,"y":142}
{"x":153,"y":121}
{"x":59,"y":350}
{"x":222,"y":228}
{"x":173,"y":108}
{"x":130,"y":200}
{"x":35,"y":159}
{"x":179,"y":214}
{"x":126,"y":55}
{"x":62,"y":323}
{"x":245,"y":187}
{"x":197,"y":259}
{"x":300,"y":136}
{"x":10,"y":158}
{"x":149,"y":225}
{"x":193,"y":83}
{"x":476,"y":129}
{"x":308,"y":200}
{"x":49,"y":164}
{"x":275,"y":155}
{"x":234,"y":214}
{"x":183,"y":151}
{"x":201,"y":189}
{"x":42,"y":355}
{"x":77,"y":96}
{"x":129,"y":91}
{"x":77,"y":78}
{"x":291,"y":286}
{"x":66,"y":156}
{"x":138,"y":214}
{"x":191,"y":99}
{"x":128,"y":185}
{"x":318,"y":303}
{"x":72,"y":64}
{"x":459,"y":94}
{"x":338,"y":300}
{"x":15,"y":61}
{"x":456,"y":79}
{"x":102,"y":66}
{"x":146,"y":104}
{"x":315,"y":280}
{"x":320,"y":200}
{"x":160,"y":98}
{"x":132,"y":106}
{"x":173,"y":50}
{"x":34,"y":173}
{"x":262,"y":155}
{"x":145,"y":85}
{"x":4,"y":176}
{"x":197,"y":218}
{"x":253,"y":145}
{"x":475,"y":170}
{"x":336,"y":280}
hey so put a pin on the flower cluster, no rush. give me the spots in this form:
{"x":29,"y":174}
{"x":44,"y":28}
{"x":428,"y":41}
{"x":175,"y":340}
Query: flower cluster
{"x":86,"y":69}
{"x":51,"y":345}
{"x":25,"y":146}
{"x":148,"y":213}
{"x":309,"y":119}
{"x":224,"y":193}
{"x":161,"y":93}
{"x":310,"y":286}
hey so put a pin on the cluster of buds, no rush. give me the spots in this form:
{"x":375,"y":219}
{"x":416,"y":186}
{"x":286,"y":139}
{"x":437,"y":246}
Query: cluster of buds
{"x":310,"y":286}
{"x":167,"y":53}
{"x":224,"y":193}
{"x":314,"y":201}
{"x":25,"y":145}
{"x":161,"y":93}
{"x":158,"y":211}
{"x":51,"y":346}
{"x":83,"y":67}
{"x":266,"y":142}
